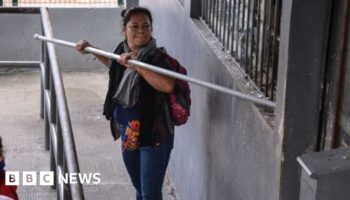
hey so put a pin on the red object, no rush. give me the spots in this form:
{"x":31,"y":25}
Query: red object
{"x":179,"y":100}
{"x":7,"y":190}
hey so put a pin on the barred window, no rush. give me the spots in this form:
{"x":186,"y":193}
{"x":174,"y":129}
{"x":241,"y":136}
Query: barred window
{"x":249,"y":31}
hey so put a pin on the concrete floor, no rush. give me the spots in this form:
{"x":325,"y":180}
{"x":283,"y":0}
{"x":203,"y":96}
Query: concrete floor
{"x":22,"y":131}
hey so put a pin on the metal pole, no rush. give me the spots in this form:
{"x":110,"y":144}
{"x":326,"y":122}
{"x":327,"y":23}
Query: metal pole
{"x":42,"y":72}
{"x":159,"y":70}
{"x":47,"y":106}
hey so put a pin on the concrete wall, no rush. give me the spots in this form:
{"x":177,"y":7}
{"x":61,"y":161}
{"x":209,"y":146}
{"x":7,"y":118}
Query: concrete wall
{"x":101,"y":26}
{"x":16,"y":37}
{"x":227,"y":150}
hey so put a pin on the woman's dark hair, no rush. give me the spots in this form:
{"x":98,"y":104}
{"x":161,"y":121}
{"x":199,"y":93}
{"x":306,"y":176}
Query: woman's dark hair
{"x":127,"y":13}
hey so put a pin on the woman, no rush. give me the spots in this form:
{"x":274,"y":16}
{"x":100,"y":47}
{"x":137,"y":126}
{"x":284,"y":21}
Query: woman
{"x":6,"y":192}
{"x":136,"y":105}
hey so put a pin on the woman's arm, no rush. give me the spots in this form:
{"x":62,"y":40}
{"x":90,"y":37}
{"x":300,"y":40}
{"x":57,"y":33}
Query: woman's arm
{"x":159,"y":82}
{"x":81,"y":45}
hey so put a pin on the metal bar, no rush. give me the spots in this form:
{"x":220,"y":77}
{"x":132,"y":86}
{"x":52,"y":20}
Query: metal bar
{"x":211,"y":14}
{"x":267,"y":48}
{"x":207,"y":11}
{"x":243,"y":36}
{"x":204,"y":11}
{"x":224,"y":24}
{"x":67,"y":192}
{"x":60,"y":150}
{"x":223,"y":21}
{"x":26,"y":64}
{"x":60,"y":189}
{"x":216,"y":17}
{"x":47,"y":119}
{"x":233,"y":28}
{"x":253,"y":44}
{"x":237,"y":17}
{"x":164,"y":72}
{"x":52,"y":101}
{"x":53,"y":163}
{"x":53,"y":131}
{"x":16,"y":10}
{"x":263,"y":45}
{"x":67,"y":132}
{"x":42,"y":77}
{"x":247,"y":42}
{"x":275,"y":45}
{"x":47,"y":106}
{"x":47,"y":69}
{"x":257,"y":51}
{"x":229,"y":29}
{"x":59,"y":155}
{"x":221,"y":12}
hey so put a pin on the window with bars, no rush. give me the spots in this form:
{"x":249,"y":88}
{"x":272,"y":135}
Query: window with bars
{"x":62,"y":3}
{"x":249,"y":31}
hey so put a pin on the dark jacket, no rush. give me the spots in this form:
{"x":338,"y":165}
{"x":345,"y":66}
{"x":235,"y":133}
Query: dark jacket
{"x":156,"y":125}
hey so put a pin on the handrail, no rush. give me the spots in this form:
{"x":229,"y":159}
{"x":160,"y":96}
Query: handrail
{"x":53,"y":108}
{"x":58,"y":128}
{"x":229,"y":91}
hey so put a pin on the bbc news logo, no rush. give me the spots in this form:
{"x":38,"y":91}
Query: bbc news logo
{"x":47,"y":178}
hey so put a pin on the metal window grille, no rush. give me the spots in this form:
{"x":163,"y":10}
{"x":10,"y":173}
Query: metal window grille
{"x":62,"y":3}
{"x":249,"y":31}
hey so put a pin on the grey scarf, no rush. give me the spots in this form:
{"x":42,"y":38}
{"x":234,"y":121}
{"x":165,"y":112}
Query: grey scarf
{"x":128,"y":91}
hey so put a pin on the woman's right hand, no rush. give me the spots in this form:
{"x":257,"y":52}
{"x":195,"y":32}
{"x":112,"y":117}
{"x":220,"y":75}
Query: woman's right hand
{"x":81,"y":45}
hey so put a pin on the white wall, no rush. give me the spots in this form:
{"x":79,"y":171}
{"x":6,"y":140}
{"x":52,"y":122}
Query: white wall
{"x":101,"y":26}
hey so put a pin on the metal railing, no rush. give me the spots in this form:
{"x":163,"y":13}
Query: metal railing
{"x":53,"y":108}
{"x":58,"y":129}
{"x":249,"y":31}
{"x":160,"y":70}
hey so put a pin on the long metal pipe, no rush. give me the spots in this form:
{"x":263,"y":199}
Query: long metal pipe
{"x":241,"y":95}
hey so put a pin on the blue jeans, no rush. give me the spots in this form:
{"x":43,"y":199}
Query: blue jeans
{"x":146,"y":167}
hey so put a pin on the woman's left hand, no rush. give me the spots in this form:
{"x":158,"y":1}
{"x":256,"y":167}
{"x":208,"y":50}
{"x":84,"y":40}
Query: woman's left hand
{"x":125,"y":57}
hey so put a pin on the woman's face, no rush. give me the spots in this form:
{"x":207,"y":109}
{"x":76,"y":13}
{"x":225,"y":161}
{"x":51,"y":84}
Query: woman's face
{"x":138,"y":30}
